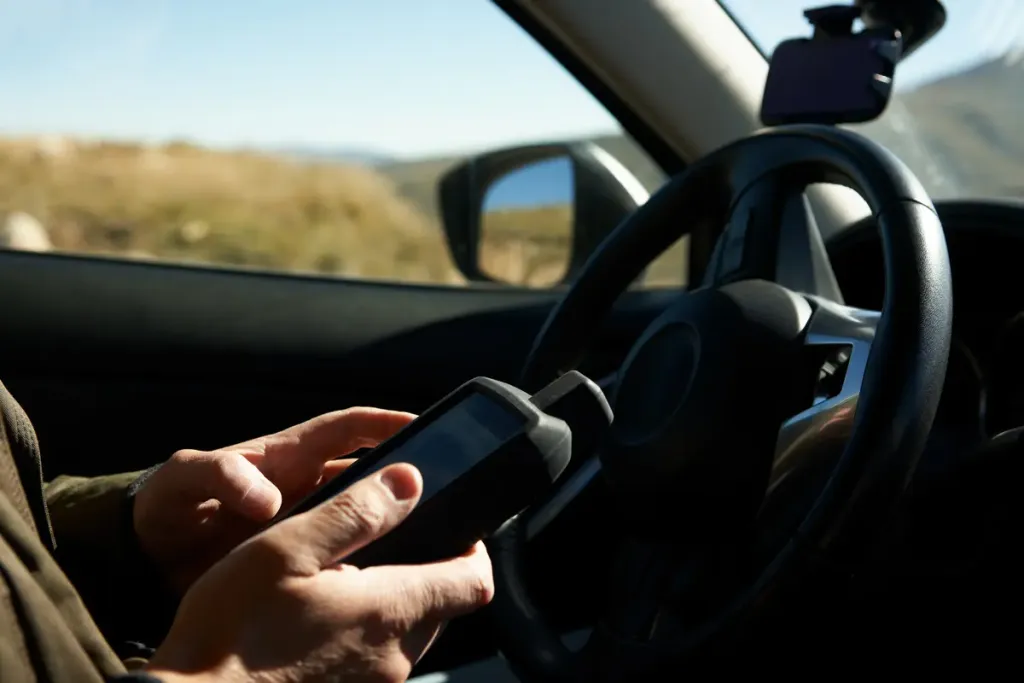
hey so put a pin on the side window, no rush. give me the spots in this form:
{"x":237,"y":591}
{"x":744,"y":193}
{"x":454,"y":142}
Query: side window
{"x":307,"y":137}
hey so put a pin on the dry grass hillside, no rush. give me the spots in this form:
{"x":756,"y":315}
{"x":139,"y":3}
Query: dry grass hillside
{"x":540,"y":258}
{"x":183,"y":203}
{"x":188,"y":204}
{"x":516,"y":255}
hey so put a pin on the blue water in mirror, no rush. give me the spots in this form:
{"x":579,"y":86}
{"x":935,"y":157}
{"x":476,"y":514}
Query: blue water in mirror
{"x":543,"y":183}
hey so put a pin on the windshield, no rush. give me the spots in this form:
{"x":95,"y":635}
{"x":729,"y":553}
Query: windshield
{"x":955,"y":116}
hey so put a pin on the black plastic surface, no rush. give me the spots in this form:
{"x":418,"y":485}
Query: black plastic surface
{"x":500,"y":456}
{"x":577,"y":400}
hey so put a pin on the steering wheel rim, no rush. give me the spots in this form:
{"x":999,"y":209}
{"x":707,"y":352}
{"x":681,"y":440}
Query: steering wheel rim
{"x":908,"y":349}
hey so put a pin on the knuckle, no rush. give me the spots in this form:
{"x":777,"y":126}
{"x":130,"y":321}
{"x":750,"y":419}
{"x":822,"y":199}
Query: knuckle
{"x":481,"y":586}
{"x":270,"y":544}
{"x":356,"y":412}
{"x":397,"y":613}
{"x":387,"y":621}
{"x":429,"y":598}
{"x":227,"y":470}
{"x":271,"y":553}
{"x":183,"y":456}
{"x":223,"y":466}
{"x":476,"y":579}
{"x":469,"y":591}
{"x":361,"y":513}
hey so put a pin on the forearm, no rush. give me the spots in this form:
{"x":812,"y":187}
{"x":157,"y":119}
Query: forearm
{"x":97,"y":548}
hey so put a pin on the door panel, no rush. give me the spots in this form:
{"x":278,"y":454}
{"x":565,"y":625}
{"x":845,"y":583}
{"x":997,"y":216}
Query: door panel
{"x":121,"y":363}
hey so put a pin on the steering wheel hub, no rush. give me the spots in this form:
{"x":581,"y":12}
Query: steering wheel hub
{"x":656,"y":383}
{"x":680,"y":430}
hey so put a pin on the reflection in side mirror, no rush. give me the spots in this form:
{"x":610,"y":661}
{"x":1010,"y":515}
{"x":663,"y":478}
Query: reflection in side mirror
{"x":526,"y":224}
{"x":531,"y":216}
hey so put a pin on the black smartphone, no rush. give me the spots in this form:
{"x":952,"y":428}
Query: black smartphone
{"x":485,"y":451}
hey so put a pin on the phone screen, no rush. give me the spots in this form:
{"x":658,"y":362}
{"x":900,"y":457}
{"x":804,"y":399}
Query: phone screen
{"x":446,"y":448}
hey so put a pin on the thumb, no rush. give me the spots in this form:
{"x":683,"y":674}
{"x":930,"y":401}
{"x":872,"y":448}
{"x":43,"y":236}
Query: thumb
{"x":354,"y":518}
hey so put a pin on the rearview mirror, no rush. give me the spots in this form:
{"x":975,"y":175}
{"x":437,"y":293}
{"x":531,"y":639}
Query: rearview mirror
{"x":532,"y":215}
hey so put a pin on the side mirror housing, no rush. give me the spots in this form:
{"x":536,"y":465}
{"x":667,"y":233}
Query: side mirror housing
{"x":533,"y":215}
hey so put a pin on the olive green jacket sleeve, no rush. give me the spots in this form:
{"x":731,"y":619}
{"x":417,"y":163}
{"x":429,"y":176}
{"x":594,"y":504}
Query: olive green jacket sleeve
{"x":127,"y":595}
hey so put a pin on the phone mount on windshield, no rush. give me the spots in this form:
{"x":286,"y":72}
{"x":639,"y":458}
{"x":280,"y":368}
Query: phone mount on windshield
{"x":836,"y":76}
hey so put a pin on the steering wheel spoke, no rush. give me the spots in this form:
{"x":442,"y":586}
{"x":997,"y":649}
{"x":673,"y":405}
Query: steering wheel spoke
{"x":638,"y":610}
{"x":837,"y":344}
{"x":554,"y":506}
{"x":661,"y":593}
{"x":809,"y":444}
{"x":772,"y":234}
{"x":643,"y":573}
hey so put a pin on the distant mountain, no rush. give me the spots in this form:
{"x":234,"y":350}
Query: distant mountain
{"x":417,"y":180}
{"x":961,"y":134}
{"x":360,"y":157}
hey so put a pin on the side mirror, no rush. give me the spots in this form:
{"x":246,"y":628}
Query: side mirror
{"x":533,"y":215}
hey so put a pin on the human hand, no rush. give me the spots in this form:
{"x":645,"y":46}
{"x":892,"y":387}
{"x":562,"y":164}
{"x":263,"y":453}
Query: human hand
{"x":279,"y":608}
{"x":199,"y":505}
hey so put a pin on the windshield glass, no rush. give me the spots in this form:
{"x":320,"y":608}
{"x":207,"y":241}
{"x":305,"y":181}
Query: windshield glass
{"x":955,"y":117}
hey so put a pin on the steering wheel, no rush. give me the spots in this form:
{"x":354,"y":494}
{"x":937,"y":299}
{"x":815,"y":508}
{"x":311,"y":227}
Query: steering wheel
{"x":761,"y":434}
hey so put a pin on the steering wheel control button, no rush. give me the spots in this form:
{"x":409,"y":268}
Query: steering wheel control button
{"x":831,"y":375}
{"x":735,"y":241}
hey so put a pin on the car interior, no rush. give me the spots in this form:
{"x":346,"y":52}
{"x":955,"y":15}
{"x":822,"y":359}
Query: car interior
{"x":816,"y":449}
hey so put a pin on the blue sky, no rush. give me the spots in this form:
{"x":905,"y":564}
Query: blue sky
{"x":545,"y":183}
{"x":404,"y":77}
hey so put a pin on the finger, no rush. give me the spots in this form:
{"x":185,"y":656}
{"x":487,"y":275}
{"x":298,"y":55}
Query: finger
{"x":227,"y":477}
{"x":362,"y":513}
{"x":294,"y":458}
{"x":434,"y":592}
{"x":339,"y":433}
{"x":335,"y":467}
{"x":294,"y":489}
{"x":333,"y":435}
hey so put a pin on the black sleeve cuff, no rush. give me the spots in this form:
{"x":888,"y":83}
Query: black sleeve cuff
{"x":129,"y":598}
{"x":144,"y":629}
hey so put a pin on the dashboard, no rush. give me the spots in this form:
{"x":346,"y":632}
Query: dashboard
{"x":984,"y":389}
